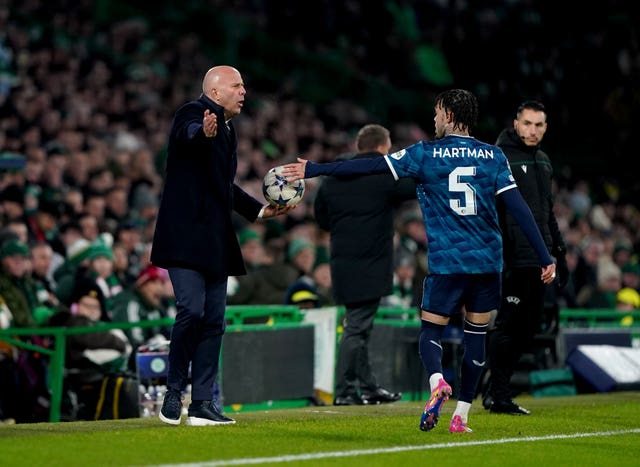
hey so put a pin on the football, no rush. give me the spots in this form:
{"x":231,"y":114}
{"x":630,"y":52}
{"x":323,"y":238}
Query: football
{"x":278,"y":191}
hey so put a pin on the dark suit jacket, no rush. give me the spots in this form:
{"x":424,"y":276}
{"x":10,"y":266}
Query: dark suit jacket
{"x":194,"y":227}
{"x":358,"y":211}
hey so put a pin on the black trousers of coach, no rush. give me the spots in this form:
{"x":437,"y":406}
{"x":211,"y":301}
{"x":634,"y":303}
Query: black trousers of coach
{"x":196,"y":336}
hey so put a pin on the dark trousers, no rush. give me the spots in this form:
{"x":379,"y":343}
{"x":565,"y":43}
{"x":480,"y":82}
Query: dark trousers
{"x":353,"y":368}
{"x":517,"y":323}
{"x":196,"y":336}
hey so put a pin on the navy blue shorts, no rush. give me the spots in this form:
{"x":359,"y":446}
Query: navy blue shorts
{"x":446,"y":294}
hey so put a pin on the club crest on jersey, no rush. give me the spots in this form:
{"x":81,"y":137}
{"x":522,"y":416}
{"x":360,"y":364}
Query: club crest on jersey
{"x":398,"y":155}
{"x":524,"y":168}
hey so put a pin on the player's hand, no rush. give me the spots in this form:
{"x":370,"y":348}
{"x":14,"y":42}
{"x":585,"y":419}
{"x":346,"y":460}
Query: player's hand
{"x":294,"y":171}
{"x":273,"y":211}
{"x":209,"y":124}
{"x":548,"y":273}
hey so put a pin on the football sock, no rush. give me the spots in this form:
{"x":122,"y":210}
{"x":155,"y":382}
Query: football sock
{"x":430,"y":347}
{"x":434,"y":379}
{"x":473,"y":359}
{"x":462,"y":409}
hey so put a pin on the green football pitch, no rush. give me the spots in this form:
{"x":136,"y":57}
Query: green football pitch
{"x":582,"y":430}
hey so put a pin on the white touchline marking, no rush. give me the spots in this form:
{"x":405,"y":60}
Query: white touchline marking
{"x":366,"y":452}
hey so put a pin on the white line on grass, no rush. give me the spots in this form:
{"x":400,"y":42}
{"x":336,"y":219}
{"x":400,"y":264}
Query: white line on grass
{"x":366,"y":452}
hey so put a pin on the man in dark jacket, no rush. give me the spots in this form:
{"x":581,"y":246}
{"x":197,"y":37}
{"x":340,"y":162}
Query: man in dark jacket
{"x":89,"y":356}
{"x":195,"y":239}
{"x":523,"y":294}
{"x":358,"y":212}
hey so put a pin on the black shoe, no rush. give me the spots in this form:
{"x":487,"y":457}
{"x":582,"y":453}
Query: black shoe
{"x":202,"y":413}
{"x":171,"y":411}
{"x":350,"y":400}
{"x":381,"y":396}
{"x":508,"y":407}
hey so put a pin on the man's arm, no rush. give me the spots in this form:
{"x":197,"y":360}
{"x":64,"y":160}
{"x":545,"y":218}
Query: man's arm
{"x":307,"y":169}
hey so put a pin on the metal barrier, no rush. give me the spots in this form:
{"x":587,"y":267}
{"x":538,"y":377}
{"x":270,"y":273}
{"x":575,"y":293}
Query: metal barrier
{"x":236,"y":316}
{"x":605,"y":318}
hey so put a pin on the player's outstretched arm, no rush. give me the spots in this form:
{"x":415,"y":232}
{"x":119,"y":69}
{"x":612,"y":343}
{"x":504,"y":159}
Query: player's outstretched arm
{"x":307,"y":169}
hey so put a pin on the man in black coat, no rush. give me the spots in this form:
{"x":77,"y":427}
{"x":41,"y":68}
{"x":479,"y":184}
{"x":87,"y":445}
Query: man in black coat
{"x":195,"y":239}
{"x":523,"y":294}
{"x":358,"y":212}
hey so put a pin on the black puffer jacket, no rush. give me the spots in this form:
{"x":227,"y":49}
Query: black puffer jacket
{"x":533,"y":172}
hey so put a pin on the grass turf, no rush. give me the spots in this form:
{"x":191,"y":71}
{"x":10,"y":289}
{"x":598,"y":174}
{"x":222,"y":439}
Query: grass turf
{"x":583,"y":430}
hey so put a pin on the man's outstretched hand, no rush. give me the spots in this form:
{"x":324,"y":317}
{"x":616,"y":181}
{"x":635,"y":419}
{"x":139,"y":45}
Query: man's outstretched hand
{"x":294,"y":171}
{"x":273,"y":211}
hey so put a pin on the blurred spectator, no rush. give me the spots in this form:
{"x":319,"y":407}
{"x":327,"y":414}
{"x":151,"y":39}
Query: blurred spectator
{"x":100,"y":269}
{"x":19,"y":227}
{"x":143,"y":302}
{"x":585,"y":273}
{"x":265,"y":283}
{"x":43,"y":224}
{"x":301,"y":255}
{"x":622,"y":253}
{"x":74,"y":199}
{"x":116,"y":207}
{"x":303,"y":294}
{"x":121,"y":266}
{"x":95,"y":205}
{"x":65,"y":274}
{"x":89,"y":356}
{"x":89,"y":226}
{"x":321,"y":276}
{"x":19,"y":290}
{"x":580,"y":199}
{"x":252,"y":249}
{"x":627,"y":299}
{"x":129,"y":236}
{"x":312,"y":290}
{"x":603,"y":295}
{"x":403,"y":282}
{"x":20,"y":294}
{"x":42,"y":269}
{"x":12,"y":204}
{"x":8,"y":370}
{"x":631,"y":276}
{"x":565,"y":298}
{"x":412,"y":241}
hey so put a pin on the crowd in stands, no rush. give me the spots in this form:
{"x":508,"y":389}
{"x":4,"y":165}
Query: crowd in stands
{"x":85,"y":109}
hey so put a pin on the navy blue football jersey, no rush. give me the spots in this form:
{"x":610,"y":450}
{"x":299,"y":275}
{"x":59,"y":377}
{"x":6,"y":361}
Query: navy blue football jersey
{"x":458,"y":179}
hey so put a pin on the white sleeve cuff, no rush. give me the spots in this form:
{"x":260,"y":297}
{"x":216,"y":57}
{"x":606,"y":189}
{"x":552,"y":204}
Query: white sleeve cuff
{"x":261,"y":213}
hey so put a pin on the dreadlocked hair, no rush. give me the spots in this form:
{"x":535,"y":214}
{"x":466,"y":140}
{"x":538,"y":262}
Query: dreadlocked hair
{"x":462,"y":104}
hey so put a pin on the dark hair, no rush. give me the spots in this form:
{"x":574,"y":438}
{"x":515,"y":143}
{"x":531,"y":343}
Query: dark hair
{"x":371,"y":136}
{"x":531,"y":105}
{"x":463,"y":104}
